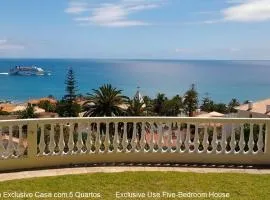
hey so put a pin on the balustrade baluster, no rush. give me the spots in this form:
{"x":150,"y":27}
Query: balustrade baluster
{"x":187,"y":139}
{"x":107,"y":139}
{"x":52,"y":144}
{"x":160,"y":137}
{"x":61,"y":143}
{"x":134,"y":138}
{"x":42,"y":144}
{"x":214,"y":140}
{"x":142,"y":140}
{"x":20,"y":147}
{"x":232,"y":142}
{"x":196,"y":139}
{"x":125,"y":139}
{"x":223,"y":140}
{"x":250,"y":139}
{"x":71,"y":139}
{"x":115,"y":138}
{"x":152,"y":141}
{"x":260,"y":140}
{"x":169,"y":140}
{"x":10,"y":146}
{"x":97,"y":140}
{"x":241,"y":142}
{"x":80,"y":140}
{"x":178,"y":139}
{"x":2,"y":148}
{"x":205,"y":142}
{"x":89,"y":138}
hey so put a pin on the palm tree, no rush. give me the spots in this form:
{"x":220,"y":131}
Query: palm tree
{"x":191,"y":100}
{"x":158,"y":104}
{"x":137,"y":108}
{"x":232,"y":104}
{"x":105,"y":101}
{"x":29,"y":112}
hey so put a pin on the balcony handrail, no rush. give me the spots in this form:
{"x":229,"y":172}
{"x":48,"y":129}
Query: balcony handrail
{"x":138,"y":119}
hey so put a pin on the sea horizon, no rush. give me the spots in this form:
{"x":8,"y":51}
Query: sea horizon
{"x":150,"y":59}
{"x":221,"y":79}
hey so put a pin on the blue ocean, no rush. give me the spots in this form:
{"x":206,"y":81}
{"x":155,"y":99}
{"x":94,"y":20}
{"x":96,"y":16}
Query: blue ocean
{"x":221,"y":80}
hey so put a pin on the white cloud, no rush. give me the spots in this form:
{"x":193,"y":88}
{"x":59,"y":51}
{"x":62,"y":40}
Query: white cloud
{"x":248,"y":11}
{"x":112,"y":14}
{"x":236,"y":1}
{"x":242,"y":11}
{"x":76,"y":8}
{"x":126,"y":23}
{"x":8,"y":45}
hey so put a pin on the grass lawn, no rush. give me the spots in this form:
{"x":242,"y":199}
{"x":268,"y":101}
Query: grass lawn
{"x":239,"y":186}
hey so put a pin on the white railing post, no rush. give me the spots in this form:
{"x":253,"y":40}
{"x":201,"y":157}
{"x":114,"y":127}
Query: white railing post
{"x":41,"y":144}
{"x":32,"y":139}
{"x":115,"y":138}
{"x":61,"y":143}
{"x":107,"y":139}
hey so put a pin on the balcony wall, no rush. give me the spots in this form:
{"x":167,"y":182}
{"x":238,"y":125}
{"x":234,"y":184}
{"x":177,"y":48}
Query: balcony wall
{"x":55,"y":142}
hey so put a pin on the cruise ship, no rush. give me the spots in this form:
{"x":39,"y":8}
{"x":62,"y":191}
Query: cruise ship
{"x":27,"y":71}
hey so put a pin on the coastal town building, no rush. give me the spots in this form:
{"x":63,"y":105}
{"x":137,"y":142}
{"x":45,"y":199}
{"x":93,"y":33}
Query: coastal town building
{"x":209,"y":115}
{"x":35,"y":102}
{"x":7,"y":107}
{"x":258,"y":109}
{"x":138,"y":96}
{"x":12,"y":110}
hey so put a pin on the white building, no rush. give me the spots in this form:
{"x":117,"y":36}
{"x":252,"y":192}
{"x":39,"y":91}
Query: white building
{"x":258,"y":109}
{"x":138,"y":96}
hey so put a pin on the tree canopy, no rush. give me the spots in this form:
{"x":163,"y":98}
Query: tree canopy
{"x":105,"y":101}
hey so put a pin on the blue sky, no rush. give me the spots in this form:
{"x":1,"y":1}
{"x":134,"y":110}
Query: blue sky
{"x":164,"y":29}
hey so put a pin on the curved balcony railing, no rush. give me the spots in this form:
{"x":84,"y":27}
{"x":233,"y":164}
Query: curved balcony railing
{"x":54,"y":142}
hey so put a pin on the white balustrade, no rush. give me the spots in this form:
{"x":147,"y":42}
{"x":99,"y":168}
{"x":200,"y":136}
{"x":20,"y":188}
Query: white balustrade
{"x":133,"y":139}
